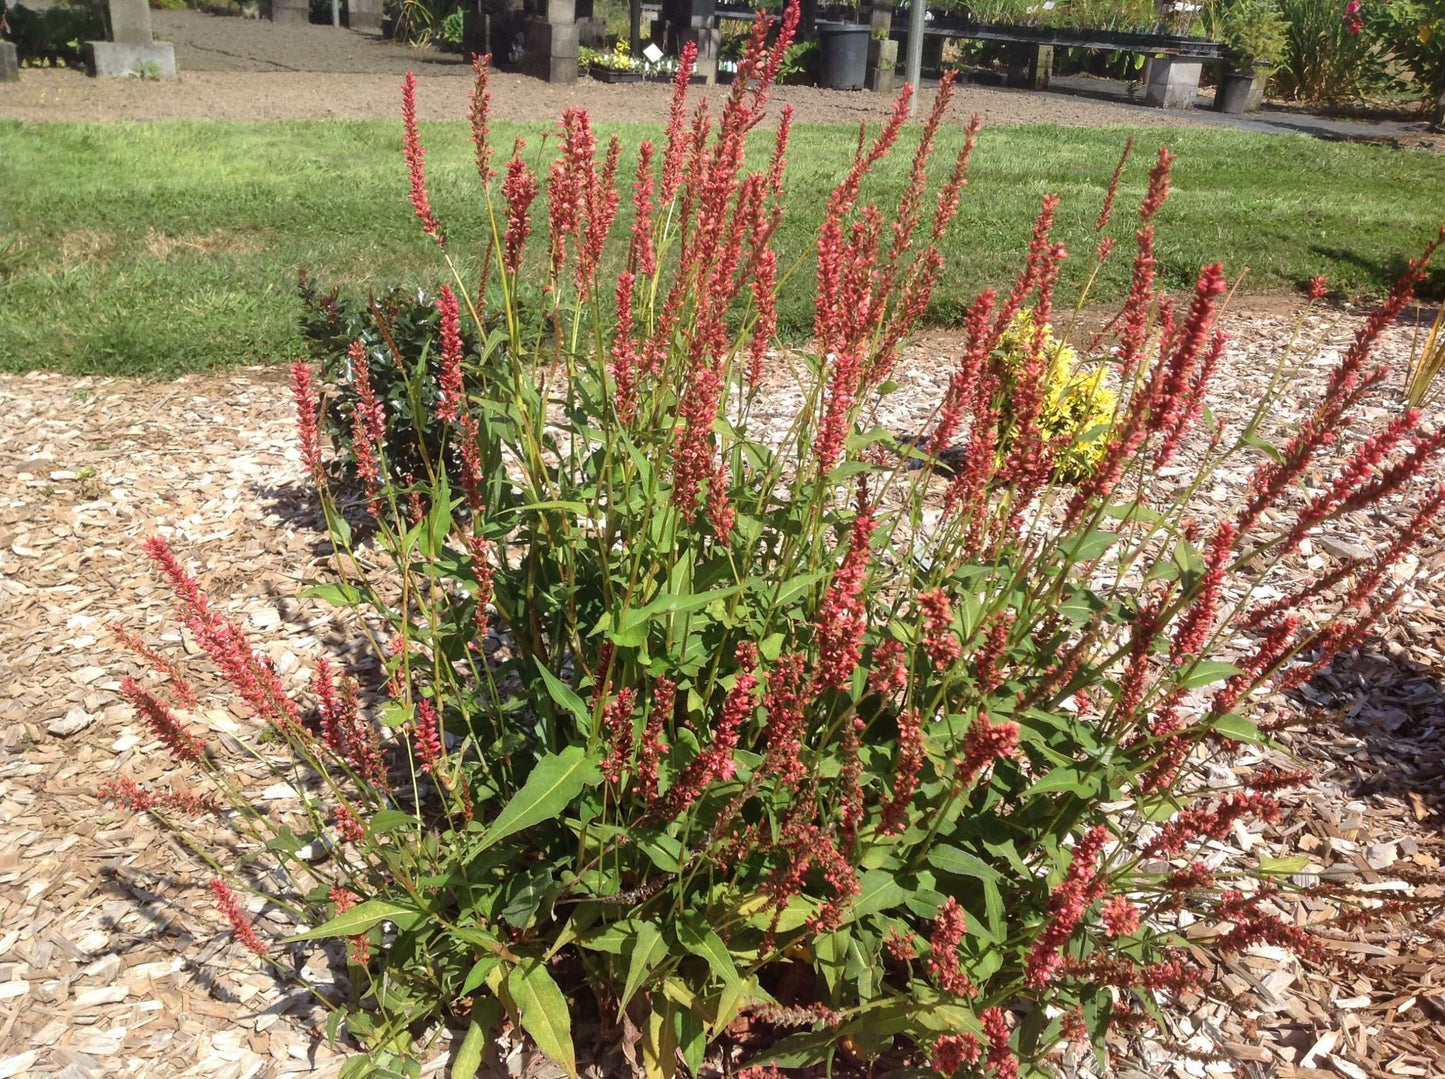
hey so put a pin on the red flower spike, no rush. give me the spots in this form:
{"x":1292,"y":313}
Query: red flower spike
{"x":348,"y":827}
{"x":1108,"y":207}
{"x":240,"y":925}
{"x":427,"y":735}
{"x":617,"y":723}
{"x":786,"y":704}
{"x":416,"y":161}
{"x":1121,"y":917}
{"x":184,"y":692}
{"x":519,"y":189}
{"x":303,"y":389}
{"x":943,"y":966}
{"x":939,"y":640}
{"x":450,"y":382}
{"x":664,"y":694}
{"x":1000,"y":1059}
{"x":677,"y":134}
{"x":480,"y":98}
{"x":984,"y":743}
{"x":951,"y":1052}
{"x":163,"y":723}
{"x":1067,"y":904}
{"x":126,"y":792}
{"x":894,"y":815}
{"x":843,"y":615}
{"x":641,"y":256}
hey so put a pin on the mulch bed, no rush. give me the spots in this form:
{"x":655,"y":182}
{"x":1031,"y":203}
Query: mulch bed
{"x":113,"y":960}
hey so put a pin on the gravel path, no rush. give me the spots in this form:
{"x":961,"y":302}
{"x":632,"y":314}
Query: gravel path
{"x":224,"y":95}
{"x":249,"y":69}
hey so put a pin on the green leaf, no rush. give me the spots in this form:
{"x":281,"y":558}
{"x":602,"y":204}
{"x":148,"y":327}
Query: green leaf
{"x":691,"y":1038}
{"x":649,"y":950}
{"x":701,"y":940}
{"x":879,"y":890}
{"x":359,"y":919}
{"x":1207,"y":672}
{"x":336,"y":594}
{"x":1239,"y":729}
{"x":483,"y":966}
{"x":632,"y":626}
{"x":659,"y":1042}
{"x":385,"y":821}
{"x":1283,"y":867}
{"x":563,"y":694}
{"x":543,"y":1011}
{"x":961,"y":863}
{"x":556,"y":780}
{"x":1065,"y":779}
{"x":1090,"y":545}
{"x":469,"y":1053}
{"x":439,"y":520}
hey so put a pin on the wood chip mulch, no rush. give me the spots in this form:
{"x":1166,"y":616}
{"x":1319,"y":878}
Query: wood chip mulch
{"x":113,"y":960}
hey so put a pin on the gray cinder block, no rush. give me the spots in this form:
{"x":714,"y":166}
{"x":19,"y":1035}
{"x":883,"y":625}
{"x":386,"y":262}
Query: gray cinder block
{"x":112,"y":59}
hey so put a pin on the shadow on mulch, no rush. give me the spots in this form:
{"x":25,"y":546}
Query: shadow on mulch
{"x":1395,"y":706}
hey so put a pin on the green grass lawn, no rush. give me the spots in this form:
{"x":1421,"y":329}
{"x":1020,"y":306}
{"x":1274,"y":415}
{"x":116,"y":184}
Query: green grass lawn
{"x":161,"y":248}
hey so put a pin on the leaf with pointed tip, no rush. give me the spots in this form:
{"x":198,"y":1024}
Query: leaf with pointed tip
{"x":555,"y":781}
{"x":543,"y":1012}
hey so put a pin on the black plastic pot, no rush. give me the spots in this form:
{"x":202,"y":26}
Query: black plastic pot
{"x":602,"y":73}
{"x":842,"y":55}
{"x":1232,"y":96}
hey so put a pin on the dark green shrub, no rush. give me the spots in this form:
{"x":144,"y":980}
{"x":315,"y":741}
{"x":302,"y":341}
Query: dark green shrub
{"x":53,"y":37}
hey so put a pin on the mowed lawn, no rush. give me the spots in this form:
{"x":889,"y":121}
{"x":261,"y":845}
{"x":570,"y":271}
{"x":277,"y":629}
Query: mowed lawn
{"x":161,"y":248}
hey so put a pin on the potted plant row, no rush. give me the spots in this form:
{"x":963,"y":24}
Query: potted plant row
{"x":619,"y":65}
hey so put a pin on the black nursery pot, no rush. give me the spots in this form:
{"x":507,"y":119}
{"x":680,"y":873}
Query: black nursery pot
{"x":1232,"y":97}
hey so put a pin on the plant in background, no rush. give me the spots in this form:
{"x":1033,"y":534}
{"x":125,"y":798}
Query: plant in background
{"x":1326,"y":58}
{"x":1077,"y":406}
{"x":1422,"y":378}
{"x":400,"y":333}
{"x":687,"y":720}
{"x":53,"y":37}
{"x":1412,"y":32}
{"x":1254,"y":30}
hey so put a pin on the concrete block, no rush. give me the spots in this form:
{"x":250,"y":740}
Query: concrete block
{"x":361,"y":14}
{"x":111,"y":59}
{"x":556,"y":69}
{"x":9,"y":62}
{"x":1028,"y":67}
{"x":1173,"y":83}
{"x":882,"y":74}
{"x":708,"y":39}
{"x":592,"y":32}
{"x":550,"y":39}
{"x":559,"y":11}
{"x":290,"y":12}
{"x":130,"y":22}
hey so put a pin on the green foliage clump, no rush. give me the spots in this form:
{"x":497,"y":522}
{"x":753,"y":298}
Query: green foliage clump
{"x":1254,"y":30}
{"x":53,"y":37}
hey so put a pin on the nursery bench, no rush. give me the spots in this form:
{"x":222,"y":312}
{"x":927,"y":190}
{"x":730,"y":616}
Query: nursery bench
{"x":1174,"y":69}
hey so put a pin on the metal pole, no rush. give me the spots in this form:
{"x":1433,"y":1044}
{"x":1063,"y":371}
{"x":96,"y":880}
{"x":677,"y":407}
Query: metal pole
{"x":335,"y":12}
{"x":913,"y":62}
